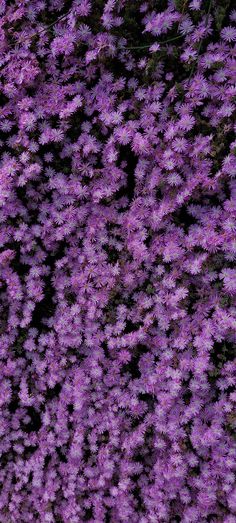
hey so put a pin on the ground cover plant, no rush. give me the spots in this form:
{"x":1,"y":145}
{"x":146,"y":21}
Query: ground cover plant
{"x":117,"y":261}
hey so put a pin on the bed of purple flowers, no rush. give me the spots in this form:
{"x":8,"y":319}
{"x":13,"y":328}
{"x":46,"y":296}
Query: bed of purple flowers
{"x":117,"y":261}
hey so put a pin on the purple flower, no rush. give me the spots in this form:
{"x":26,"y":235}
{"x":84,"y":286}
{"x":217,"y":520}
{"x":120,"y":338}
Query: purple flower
{"x":117,"y":253}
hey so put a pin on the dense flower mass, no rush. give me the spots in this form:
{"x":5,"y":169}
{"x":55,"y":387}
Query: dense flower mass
{"x":117,"y":261}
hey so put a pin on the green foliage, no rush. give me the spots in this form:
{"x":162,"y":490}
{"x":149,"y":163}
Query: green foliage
{"x":150,"y":289}
{"x":220,"y":13}
{"x":152,"y":65}
{"x":179,"y":89}
{"x":18,"y":348}
{"x":180,"y":5}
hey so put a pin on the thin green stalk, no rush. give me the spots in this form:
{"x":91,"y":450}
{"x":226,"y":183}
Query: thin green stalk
{"x":149,"y":45}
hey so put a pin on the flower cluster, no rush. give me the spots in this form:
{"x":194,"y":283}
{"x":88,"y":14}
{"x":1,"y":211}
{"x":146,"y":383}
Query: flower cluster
{"x":117,"y":261}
